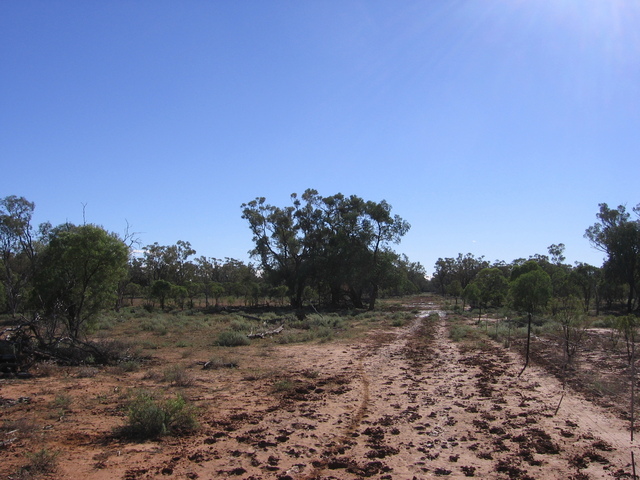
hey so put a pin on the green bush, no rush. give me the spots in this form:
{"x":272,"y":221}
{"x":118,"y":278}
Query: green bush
{"x":149,"y":417}
{"x":178,"y":376}
{"x":604,"y":322}
{"x":242,"y":325}
{"x":129,"y":366}
{"x":283,"y":385}
{"x":458,"y":332}
{"x":232,"y":339}
{"x":39,"y":463}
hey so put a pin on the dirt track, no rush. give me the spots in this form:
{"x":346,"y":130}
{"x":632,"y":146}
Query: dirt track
{"x":406,"y":403}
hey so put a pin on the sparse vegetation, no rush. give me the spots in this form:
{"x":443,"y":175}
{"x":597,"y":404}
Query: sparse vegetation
{"x":232,"y":339}
{"x":40,"y":463}
{"x":177,"y":376}
{"x":149,"y":417}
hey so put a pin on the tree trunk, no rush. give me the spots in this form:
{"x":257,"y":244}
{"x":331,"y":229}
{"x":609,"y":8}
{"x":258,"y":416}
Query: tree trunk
{"x":356,"y":297}
{"x":374,"y":296}
{"x":336,"y":294}
{"x":526,"y":362}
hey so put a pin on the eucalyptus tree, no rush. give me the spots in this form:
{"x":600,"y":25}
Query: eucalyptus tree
{"x":493,"y":287}
{"x":587,"y":278}
{"x":19,"y":242}
{"x":452,"y":275}
{"x":337,"y":243}
{"x":530,"y":291}
{"x":169,"y":262}
{"x":618,"y":236}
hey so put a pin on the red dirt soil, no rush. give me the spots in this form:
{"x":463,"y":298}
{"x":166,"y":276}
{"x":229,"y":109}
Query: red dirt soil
{"x":402,"y":403}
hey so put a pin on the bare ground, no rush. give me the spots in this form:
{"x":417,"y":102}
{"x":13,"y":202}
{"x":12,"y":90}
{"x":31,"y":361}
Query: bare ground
{"x":404,"y":403}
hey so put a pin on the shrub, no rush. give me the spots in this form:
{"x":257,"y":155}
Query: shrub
{"x":62,"y":402}
{"x":129,"y":366}
{"x":43,"y":461}
{"x":87,"y":372}
{"x":283,"y":385}
{"x":178,"y":376}
{"x":232,"y":339}
{"x":149,"y":417}
{"x":458,"y":332}
{"x":242,"y":325}
{"x":145,"y":417}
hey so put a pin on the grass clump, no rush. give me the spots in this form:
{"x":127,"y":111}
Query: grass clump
{"x":129,"y":366}
{"x":149,"y":417}
{"x":62,"y":401}
{"x":177,"y":375}
{"x":232,"y":339}
{"x":242,"y":325}
{"x":284,"y":385}
{"x":42,"y":462}
{"x":459,"y":332}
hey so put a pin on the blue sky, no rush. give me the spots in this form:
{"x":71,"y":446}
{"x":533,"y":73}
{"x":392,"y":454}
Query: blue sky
{"x":494,"y":127}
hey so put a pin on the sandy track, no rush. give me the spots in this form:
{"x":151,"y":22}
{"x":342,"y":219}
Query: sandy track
{"x":406,"y":403}
{"x":409,"y":404}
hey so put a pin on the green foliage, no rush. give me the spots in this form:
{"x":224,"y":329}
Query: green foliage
{"x":459,"y":332}
{"x":160,"y":290}
{"x":619,"y":237}
{"x":338,"y":243}
{"x":628,"y":325}
{"x":452,"y":275}
{"x":283,"y":385}
{"x":177,"y":376}
{"x":41,"y":462}
{"x":531,"y":291}
{"x":471,"y":294}
{"x":239,"y":324}
{"x":62,"y":402}
{"x":149,"y":417}
{"x":18,"y":246}
{"x":232,"y":339}
{"x":129,"y":366}
{"x":573,"y":323}
{"x":492,"y":287}
{"x":78,"y":274}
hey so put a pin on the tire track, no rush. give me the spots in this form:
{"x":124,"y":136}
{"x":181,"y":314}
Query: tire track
{"x":405,"y":403}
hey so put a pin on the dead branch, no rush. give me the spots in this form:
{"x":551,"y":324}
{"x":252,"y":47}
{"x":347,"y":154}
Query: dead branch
{"x":268,"y":333}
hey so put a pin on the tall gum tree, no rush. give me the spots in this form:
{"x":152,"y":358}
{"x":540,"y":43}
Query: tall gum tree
{"x":336,"y":243}
{"x":18,"y":247}
{"x":619,"y":238}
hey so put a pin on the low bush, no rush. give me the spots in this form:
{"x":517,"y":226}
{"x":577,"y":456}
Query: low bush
{"x":459,"y":332}
{"x":87,"y":372}
{"x":129,"y":366}
{"x":177,"y":376}
{"x":149,"y":417}
{"x":283,"y":385}
{"x":42,"y":462}
{"x":232,"y":339}
{"x":242,"y":325}
{"x":62,"y":401}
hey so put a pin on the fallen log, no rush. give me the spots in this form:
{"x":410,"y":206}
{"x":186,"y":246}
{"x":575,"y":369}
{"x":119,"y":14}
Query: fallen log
{"x":265,"y":334}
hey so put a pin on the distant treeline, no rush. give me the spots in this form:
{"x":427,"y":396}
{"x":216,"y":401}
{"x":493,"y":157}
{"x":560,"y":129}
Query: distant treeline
{"x":334,"y":251}
{"x":613,"y":285}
